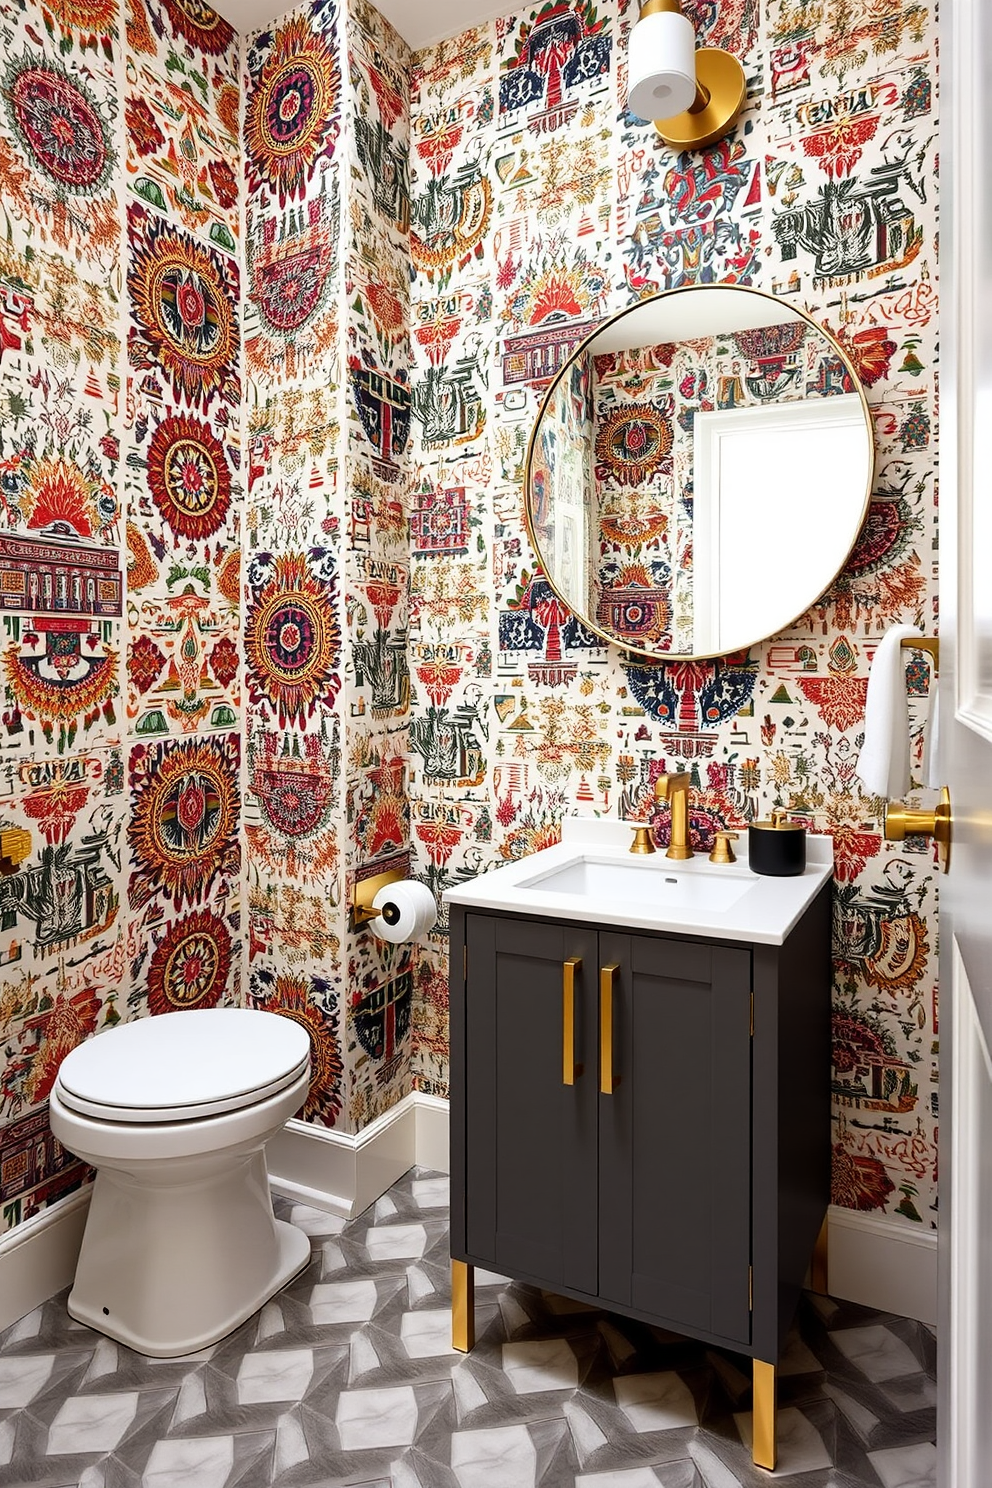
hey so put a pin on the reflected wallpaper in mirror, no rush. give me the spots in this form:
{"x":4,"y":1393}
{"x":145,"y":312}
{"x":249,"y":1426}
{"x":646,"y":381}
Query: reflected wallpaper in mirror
{"x":699,"y":472}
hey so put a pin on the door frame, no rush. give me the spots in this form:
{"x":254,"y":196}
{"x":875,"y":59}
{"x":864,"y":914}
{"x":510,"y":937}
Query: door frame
{"x":964,"y":1338}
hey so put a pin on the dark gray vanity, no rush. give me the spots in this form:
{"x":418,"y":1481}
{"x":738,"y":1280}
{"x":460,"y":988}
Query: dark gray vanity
{"x":641,"y":1120}
{"x":640,"y":1048}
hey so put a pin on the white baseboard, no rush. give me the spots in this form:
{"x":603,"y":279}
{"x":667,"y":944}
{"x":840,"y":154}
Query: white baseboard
{"x":432,"y":1133}
{"x":876,"y":1262}
{"x":38,"y":1258}
{"x":882,"y":1263}
{"x":344,"y":1174}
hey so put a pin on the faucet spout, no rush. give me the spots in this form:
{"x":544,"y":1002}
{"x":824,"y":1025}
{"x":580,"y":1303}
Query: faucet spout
{"x":675,"y":790}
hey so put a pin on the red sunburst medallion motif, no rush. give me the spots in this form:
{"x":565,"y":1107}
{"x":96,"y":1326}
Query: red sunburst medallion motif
{"x":183,"y":299}
{"x":189,"y":478}
{"x":191,"y":964}
{"x":291,"y":114}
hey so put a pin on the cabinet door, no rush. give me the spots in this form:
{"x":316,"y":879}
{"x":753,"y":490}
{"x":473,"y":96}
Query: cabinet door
{"x":675,"y":1136}
{"x":532,"y":1147}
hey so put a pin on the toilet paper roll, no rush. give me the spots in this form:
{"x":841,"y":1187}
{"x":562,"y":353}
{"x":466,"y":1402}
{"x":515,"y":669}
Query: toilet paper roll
{"x":406,"y":911}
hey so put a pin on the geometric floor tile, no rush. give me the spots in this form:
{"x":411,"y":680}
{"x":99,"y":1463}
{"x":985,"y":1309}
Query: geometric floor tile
{"x":348,"y":1376}
{"x":21,"y":1379}
{"x":426,"y":1334}
{"x":540,"y":1365}
{"x":800,"y":1447}
{"x":376,"y":1418}
{"x":91,"y":1423}
{"x":205,"y":1462}
{"x":396,"y":1242}
{"x":877,"y":1352}
{"x":655,"y":1402}
{"x":343,"y":1301}
{"x":504,"y":1457}
{"x":277,"y":1374}
{"x":907,"y":1467}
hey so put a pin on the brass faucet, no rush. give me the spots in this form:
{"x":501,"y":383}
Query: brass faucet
{"x":675,"y":790}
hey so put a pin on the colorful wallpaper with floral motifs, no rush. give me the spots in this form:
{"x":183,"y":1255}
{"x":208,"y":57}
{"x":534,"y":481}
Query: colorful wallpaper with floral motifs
{"x":415,"y":695}
{"x":327,"y":353}
{"x":119,"y":560}
{"x":537,"y":207}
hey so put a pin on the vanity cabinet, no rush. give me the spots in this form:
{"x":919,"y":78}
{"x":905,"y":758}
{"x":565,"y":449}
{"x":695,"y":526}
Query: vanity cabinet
{"x":641,"y":1120}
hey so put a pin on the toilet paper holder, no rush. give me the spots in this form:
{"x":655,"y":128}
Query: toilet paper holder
{"x":364,"y":892}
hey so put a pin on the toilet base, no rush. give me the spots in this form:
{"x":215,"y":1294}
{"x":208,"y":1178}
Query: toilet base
{"x":211,"y":1254}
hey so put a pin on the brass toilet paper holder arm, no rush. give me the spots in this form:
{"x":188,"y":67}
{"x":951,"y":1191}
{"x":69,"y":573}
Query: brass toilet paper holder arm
{"x":364,"y":892}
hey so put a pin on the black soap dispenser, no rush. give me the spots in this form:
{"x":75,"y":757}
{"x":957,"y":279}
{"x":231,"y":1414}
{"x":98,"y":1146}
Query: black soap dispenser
{"x":777,"y":847}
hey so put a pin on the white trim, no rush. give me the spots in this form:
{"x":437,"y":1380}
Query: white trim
{"x":344,"y":1173}
{"x":432,"y":1133}
{"x":38,"y":1257}
{"x":741,"y":568}
{"x":882,"y":1263}
{"x":968,"y":1349}
{"x":876,"y":1262}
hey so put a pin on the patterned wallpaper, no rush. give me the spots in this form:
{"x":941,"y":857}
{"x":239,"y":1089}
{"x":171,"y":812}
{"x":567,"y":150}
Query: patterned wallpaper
{"x":537,"y":207}
{"x":408,"y":248}
{"x":327,"y":352}
{"x":120,"y":446}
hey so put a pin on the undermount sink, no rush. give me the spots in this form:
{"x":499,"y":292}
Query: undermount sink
{"x":603,"y":879}
{"x":590,"y":876}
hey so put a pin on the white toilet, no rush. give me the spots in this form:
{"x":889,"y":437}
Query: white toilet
{"x":174,"y":1112}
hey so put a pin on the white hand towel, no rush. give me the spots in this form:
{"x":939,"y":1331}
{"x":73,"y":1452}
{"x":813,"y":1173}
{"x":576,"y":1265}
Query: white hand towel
{"x":883,"y":765}
{"x":931,"y":738}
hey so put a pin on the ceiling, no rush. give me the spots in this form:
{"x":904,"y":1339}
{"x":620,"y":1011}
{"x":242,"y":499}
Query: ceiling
{"x":419,"y":22}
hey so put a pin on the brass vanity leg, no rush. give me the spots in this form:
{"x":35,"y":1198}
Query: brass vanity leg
{"x":763,"y":1418}
{"x":818,"y":1264}
{"x":462,"y":1306}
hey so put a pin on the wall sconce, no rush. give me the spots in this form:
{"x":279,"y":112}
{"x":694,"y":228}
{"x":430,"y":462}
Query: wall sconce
{"x":697,"y":94}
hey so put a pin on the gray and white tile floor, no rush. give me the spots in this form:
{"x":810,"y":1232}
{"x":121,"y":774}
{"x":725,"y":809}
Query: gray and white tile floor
{"x":348,"y":1377}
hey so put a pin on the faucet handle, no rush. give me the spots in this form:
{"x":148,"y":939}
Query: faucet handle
{"x":722,"y":851}
{"x":643,"y":841}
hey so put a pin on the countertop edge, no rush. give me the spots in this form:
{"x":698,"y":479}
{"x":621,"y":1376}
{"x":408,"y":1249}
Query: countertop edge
{"x":469,"y":897}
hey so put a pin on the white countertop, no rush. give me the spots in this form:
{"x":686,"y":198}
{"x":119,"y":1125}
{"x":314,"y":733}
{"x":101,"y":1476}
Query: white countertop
{"x":764,"y":909}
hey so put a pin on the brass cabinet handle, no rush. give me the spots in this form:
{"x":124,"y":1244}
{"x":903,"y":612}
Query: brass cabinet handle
{"x":569,"y":1068}
{"x":607,"y":981}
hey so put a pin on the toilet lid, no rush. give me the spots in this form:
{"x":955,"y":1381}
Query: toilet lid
{"x":179,"y":1066}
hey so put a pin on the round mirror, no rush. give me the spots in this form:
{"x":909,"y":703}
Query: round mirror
{"x":699,"y":471}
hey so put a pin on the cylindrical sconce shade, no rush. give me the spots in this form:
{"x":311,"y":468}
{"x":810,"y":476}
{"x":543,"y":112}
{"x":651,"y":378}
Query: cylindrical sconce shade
{"x":661,"y":66}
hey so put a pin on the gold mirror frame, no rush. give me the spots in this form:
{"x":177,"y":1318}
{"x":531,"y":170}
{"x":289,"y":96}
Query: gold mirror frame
{"x":565,"y":368}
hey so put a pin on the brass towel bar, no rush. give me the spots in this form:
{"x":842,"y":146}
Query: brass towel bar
{"x":923,"y":643}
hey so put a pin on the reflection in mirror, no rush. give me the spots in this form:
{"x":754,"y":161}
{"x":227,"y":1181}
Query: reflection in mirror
{"x":699,"y":472}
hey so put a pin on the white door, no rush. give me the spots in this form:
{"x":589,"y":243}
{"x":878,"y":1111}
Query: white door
{"x":965,"y":1321}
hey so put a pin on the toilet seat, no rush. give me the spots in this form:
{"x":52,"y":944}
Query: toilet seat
{"x":166,"y":1068}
